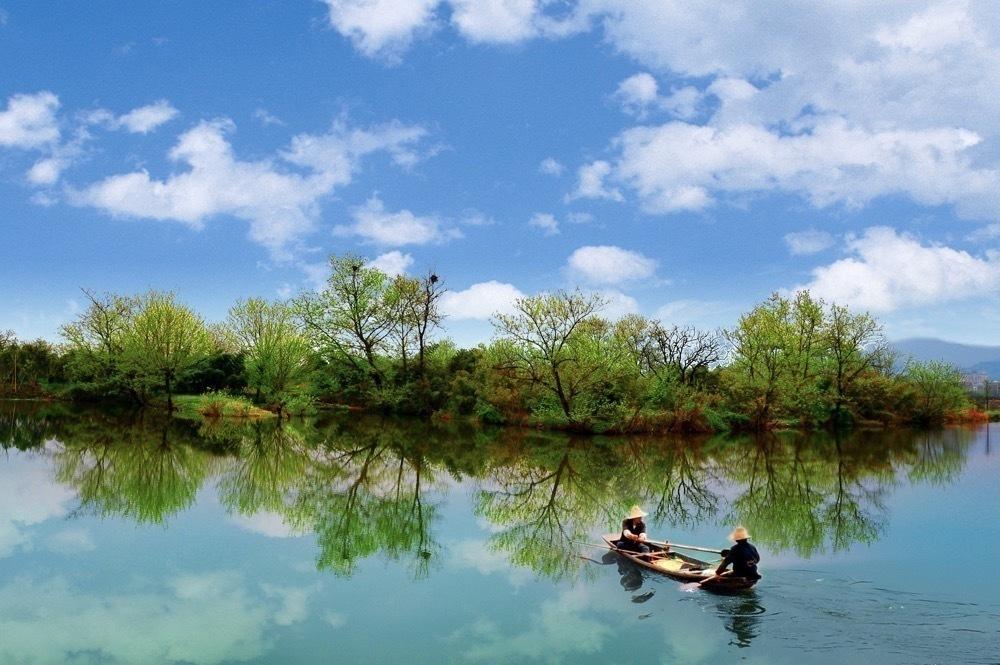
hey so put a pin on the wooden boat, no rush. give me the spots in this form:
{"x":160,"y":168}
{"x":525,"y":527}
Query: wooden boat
{"x":681,"y":567}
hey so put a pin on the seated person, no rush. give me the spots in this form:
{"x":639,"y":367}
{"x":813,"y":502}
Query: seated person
{"x":633,"y":532}
{"x":742,"y":556}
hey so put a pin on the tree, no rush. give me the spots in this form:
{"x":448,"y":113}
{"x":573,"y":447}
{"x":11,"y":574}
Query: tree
{"x":552,"y":341}
{"x":276,"y":355}
{"x":164,"y":340}
{"x":427,"y":314}
{"x":349,"y":319}
{"x":685,"y":351}
{"x":759,"y":366}
{"x":855,"y":345}
{"x":96,"y":340}
{"x":934,"y":390}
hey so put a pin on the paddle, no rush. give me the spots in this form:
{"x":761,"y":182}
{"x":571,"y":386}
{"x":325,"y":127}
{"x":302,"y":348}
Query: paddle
{"x":679,"y":546}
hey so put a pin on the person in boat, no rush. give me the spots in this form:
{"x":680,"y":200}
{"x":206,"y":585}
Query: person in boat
{"x":742,"y":556}
{"x":633,"y":532}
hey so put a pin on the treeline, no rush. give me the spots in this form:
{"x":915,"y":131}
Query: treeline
{"x":374,"y":341}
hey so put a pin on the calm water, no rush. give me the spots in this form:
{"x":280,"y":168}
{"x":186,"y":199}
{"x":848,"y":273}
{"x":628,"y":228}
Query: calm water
{"x":131,"y":540}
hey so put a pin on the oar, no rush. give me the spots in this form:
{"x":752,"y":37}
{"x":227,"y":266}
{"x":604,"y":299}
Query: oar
{"x":679,"y":546}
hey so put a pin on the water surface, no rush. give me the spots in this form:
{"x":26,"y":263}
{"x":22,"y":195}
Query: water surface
{"x":129,"y":539}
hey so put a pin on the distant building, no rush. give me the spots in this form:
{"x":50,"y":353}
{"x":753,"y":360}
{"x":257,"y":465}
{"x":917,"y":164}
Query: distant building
{"x":974,"y":381}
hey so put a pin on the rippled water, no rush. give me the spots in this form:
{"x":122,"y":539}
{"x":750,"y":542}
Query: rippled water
{"x":127,"y":539}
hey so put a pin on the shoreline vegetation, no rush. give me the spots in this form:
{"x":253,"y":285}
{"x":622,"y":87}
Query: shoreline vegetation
{"x":376,"y":342}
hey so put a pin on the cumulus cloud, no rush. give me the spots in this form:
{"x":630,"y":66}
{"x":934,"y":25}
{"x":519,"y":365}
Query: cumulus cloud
{"x":383,"y":227}
{"x":28,"y":497}
{"x":29,"y":121}
{"x":496,"y":21}
{"x":265,"y":523}
{"x":551,"y":166}
{"x":617,"y":304}
{"x":50,"y":621}
{"x":887,"y":270}
{"x":280,"y":204}
{"x":680,"y":166}
{"x":480,"y":301}
{"x":853,"y":101}
{"x":808,"y":242}
{"x":392,"y":263}
{"x":591,"y":185}
{"x":145,"y":119}
{"x":607,"y":264}
{"x":381,"y":28}
{"x":546,"y":222}
{"x":637,"y":92}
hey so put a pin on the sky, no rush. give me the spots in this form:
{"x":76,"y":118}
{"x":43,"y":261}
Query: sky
{"x":683,"y":159}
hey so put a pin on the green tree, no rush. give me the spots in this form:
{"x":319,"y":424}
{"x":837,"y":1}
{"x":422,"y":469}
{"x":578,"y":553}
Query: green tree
{"x":96,"y":342}
{"x":555,"y":343}
{"x":164,"y":340}
{"x":933,"y":391}
{"x":759,"y":369}
{"x":276,"y":354}
{"x":349,"y":319}
{"x":855,"y":344}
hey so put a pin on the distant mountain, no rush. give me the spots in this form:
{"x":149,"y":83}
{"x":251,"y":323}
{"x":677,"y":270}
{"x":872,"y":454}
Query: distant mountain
{"x":967,"y":357}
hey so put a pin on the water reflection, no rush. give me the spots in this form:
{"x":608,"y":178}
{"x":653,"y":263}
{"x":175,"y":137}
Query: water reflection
{"x":369,"y":487}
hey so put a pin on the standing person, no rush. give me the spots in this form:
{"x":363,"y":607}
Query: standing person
{"x":742,"y":556}
{"x":633,"y":532}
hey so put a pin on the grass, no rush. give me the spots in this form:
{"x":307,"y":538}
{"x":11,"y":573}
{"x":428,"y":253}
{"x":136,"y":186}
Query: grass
{"x":217,"y":405}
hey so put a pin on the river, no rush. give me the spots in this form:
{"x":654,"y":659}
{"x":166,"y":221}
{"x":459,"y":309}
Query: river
{"x":128,"y":538}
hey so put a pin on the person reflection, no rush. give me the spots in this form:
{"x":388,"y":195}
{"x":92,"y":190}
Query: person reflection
{"x":741,"y":616}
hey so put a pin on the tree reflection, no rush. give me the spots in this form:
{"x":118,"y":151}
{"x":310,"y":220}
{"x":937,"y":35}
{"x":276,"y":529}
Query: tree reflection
{"x":142,"y":469}
{"x":363,"y":494}
{"x":369,"y":487}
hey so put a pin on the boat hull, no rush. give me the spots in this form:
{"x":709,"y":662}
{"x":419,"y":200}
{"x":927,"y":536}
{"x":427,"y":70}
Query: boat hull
{"x":681,"y":567}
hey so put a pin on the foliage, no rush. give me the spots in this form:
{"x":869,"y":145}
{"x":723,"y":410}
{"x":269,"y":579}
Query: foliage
{"x":368,"y":340}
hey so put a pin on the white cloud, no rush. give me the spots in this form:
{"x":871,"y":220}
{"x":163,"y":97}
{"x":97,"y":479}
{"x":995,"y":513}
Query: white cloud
{"x":280,"y":205}
{"x":294,"y":602}
{"x":607,"y":264}
{"x":392,"y":263}
{"x":377,"y":225}
{"x":871,"y":99}
{"x":265,"y":523}
{"x":29,"y":121}
{"x":810,"y":241}
{"x":145,"y":119}
{"x":496,"y":21}
{"x":888,"y":270}
{"x":637,"y":92}
{"x":200,"y":618}
{"x":590,"y":183}
{"x":71,"y":541}
{"x":28,"y":497}
{"x":381,"y":28}
{"x":985,"y":234}
{"x":480,"y":301}
{"x":617,"y":304}
{"x":546,"y":222}
{"x":678,"y":166}
{"x":703,"y":313}
{"x":551,"y":166}
{"x":266,"y":118}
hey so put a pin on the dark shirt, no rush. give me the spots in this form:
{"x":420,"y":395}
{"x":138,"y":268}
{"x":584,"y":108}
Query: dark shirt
{"x":744,"y":558}
{"x":635,"y":526}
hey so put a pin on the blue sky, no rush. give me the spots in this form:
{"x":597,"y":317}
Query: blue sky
{"x":683,"y":159}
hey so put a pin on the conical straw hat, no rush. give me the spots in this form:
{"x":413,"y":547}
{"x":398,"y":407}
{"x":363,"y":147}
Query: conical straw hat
{"x":739,"y":533}
{"x":635,"y":512}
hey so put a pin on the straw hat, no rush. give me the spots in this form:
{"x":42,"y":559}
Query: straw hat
{"x":636,"y":512}
{"x":739,"y":533}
